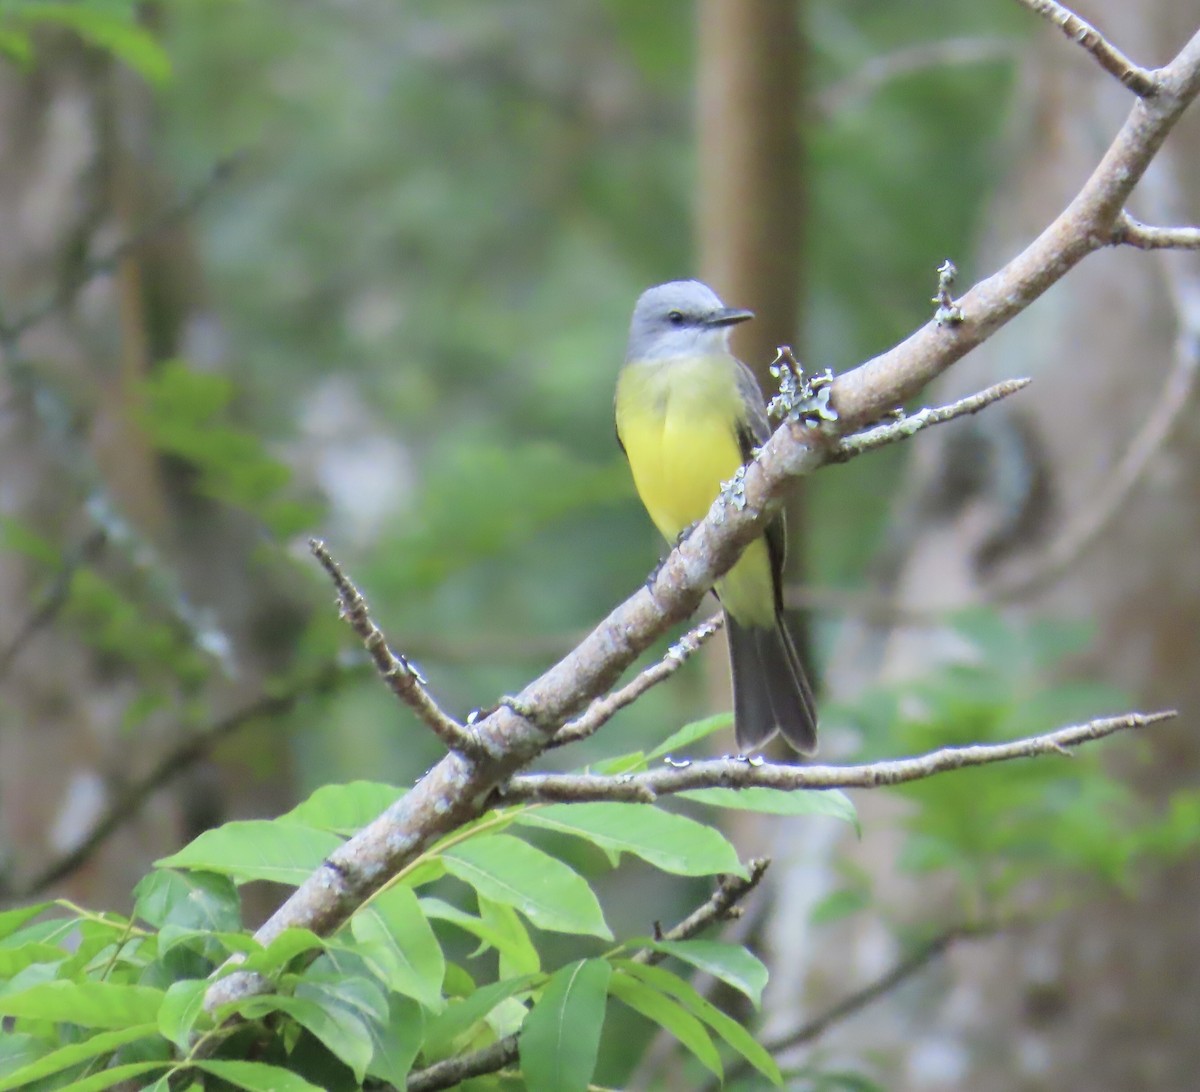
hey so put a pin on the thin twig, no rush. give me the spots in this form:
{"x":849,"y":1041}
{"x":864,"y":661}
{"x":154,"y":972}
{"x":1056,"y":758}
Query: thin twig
{"x":880,"y":987}
{"x":882,"y":69}
{"x":1111,"y":498}
{"x":602,"y":710}
{"x":717,"y":907}
{"x":893,"y":431}
{"x":853,"y":1003}
{"x":739,"y":772}
{"x":180,"y":758}
{"x":52,"y":600}
{"x":721,"y":905}
{"x":89,"y":270}
{"x":458,"y":789}
{"x":1141,"y":81}
{"x":453,"y":1071}
{"x":401,"y":677}
{"x":663,"y":1044}
{"x":1128,"y":231}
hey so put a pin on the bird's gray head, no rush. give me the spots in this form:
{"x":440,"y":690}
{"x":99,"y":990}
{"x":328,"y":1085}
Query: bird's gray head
{"x":683,"y":318}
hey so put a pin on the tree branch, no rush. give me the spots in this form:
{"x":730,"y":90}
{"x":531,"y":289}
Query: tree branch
{"x":1082,"y":228}
{"x":1110,"y":498}
{"x":90,"y":269}
{"x":53,"y":599}
{"x":880,"y":987}
{"x":456,"y":790}
{"x":739,"y":772}
{"x":602,"y":710}
{"x":1139,"y":80}
{"x":722,"y":905}
{"x":853,"y":1003}
{"x":906,"y":427}
{"x":875,"y":72}
{"x":1130,"y":232}
{"x":401,"y":677}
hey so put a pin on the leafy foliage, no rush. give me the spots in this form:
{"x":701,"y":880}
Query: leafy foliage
{"x":110,"y":25}
{"x":471,"y":295}
{"x":387,"y":991}
{"x":184,"y":414}
{"x":997,"y":828}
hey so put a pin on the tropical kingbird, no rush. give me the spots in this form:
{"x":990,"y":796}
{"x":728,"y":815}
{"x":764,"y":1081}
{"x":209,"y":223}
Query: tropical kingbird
{"x":689,"y":415}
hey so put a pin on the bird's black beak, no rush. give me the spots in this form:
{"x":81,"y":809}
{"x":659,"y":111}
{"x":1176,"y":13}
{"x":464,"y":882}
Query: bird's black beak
{"x":727,"y":316}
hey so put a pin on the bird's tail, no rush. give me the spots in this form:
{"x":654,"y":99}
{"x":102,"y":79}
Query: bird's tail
{"x":770,"y":691}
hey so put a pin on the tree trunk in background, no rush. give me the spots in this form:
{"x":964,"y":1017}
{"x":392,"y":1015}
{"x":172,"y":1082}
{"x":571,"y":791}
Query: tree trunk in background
{"x":750,"y":209}
{"x":77,"y":179}
{"x":1104,"y":997}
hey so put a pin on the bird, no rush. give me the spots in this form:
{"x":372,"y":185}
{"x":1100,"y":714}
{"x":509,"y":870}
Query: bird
{"x":689,"y":415}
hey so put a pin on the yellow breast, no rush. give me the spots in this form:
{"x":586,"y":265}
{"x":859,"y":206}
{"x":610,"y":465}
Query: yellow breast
{"x":677,"y":420}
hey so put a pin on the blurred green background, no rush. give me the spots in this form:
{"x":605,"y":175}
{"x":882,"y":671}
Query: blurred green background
{"x":363,"y":270}
{"x":424,"y":268}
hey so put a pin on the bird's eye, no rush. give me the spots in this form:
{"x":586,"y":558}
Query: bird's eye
{"x":675,"y":318}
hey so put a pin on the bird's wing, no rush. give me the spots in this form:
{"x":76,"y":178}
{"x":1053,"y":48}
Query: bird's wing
{"x":756,"y":408}
{"x":753,"y":431}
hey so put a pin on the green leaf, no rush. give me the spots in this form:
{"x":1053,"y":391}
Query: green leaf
{"x":183,"y":414}
{"x":633,"y":762}
{"x":16,"y":959}
{"x":18,"y":1050}
{"x":731,"y":963}
{"x":394,"y":927}
{"x":257,"y":849}
{"x":57,"y":1060}
{"x":258,"y":1076}
{"x":206,"y":943}
{"x":116,"y":33}
{"x":115,"y":1075}
{"x":560,"y":1039}
{"x":832,"y":802}
{"x":424,"y":871}
{"x":12,"y":920}
{"x":344,"y":809}
{"x":19,"y":537}
{"x":329,"y":986}
{"x":460,"y":1016}
{"x":191,"y":900}
{"x":670,"y":842}
{"x":439,"y":910}
{"x":541,"y":887}
{"x":668,"y":1014}
{"x":282,"y":950}
{"x":16,"y":46}
{"x":659,"y":978}
{"x":517,"y":952}
{"x":182,"y":1006}
{"x":689,"y":734}
{"x":396,"y":1042}
{"x":839,"y":904}
{"x":343,"y":1032}
{"x":36,"y":974}
{"x":90,"y":1004}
